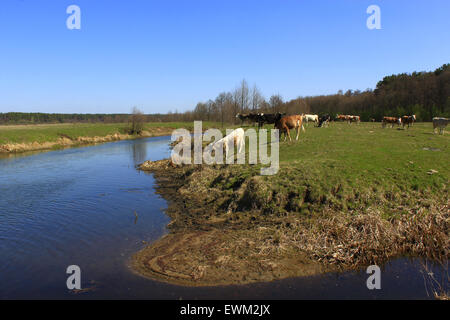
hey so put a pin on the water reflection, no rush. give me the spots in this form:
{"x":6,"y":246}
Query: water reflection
{"x":139,"y":152}
{"x":76,"y":206}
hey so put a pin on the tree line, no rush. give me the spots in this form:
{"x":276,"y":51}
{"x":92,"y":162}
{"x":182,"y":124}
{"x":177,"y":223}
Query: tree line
{"x":425,"y":94}
{"x":41,"y":118}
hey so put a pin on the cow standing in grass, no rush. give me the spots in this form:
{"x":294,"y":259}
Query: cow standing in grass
{"x":324,"y":121}
{"x":286,"y":123}
{"x":348,"y":118}
{"x":254,"y":118}
{"x":242,"y":117}
{"x":311,"y":118}
{"x":235,"y":138}
{"x":250,"y":117}
{"x":268,"y":118}
{"x":440,"y":123}
{"x":408,"y":120}
{"x":356,"y":119}
{"x":390,"y":120}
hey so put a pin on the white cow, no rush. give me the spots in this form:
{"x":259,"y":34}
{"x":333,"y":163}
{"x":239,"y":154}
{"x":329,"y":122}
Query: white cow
{"x":311,"y":117}
{"x":440,"y":123}
{"x":236,"y":137}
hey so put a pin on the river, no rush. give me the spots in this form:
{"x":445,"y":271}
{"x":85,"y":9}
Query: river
{"x":90,"y":207}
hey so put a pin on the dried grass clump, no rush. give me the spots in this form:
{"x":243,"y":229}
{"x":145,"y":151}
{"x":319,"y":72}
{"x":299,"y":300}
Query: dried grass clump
{"x":363,"y":239}
{"x":156,"y":165}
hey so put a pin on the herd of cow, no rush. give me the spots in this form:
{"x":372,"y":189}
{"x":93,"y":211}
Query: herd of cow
{"x":438,"y":123}
{"x":405,"y":121}
{"x":272,"y":118}
{"x":285,"y":123}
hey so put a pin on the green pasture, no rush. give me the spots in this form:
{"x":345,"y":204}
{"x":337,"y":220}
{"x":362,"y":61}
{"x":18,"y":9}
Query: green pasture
{"x":51,"y":132}
{"x":357,"y":166}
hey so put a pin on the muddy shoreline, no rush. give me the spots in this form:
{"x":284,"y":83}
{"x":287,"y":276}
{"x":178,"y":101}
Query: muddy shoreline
{"x":225,"y":232}
{"x":209,"y":250}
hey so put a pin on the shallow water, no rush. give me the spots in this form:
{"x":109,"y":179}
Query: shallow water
{"x":77,"y":207}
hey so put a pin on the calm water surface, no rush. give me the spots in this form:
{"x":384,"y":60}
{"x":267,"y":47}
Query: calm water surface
{"x":77,"y":207}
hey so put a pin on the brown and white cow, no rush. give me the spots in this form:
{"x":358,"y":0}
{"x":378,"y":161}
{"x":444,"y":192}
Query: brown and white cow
{"x":356,"y":119}
{"x":348,"y":118}
{"x":391,"y":120}
{"x":286,"y":123}
{"x":341,"y":117}
{"x":408,"y":120}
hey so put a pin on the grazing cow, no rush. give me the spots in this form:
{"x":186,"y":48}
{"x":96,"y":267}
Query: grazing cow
{"x":242,"y":117}
{"x":324,"y":120}
{"x":235,"y":138}
{"x":268,"y":118}
{"x":341,"y":117}
{"x":356,"y":119}
{"x":372,"y":120}
{"x":311,"y":118}
{"x":391,"y":120}
{"x":348,"y":118}
{"x":254,"y":117}
{"x":250,"y":117}
{"x":290,"y":122}
{"x":408,"y":120}
{"x":440,"y":123}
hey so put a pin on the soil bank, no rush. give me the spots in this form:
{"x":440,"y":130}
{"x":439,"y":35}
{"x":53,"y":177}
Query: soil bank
{"x":233,"y":228}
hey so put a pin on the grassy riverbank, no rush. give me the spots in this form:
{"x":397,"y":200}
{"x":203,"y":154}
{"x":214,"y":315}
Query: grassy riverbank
{"x":19,"y":138}
{"x":344,"y":197}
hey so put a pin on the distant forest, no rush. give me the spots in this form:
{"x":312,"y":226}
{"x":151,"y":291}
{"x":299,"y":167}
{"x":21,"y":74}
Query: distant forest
{"x":425,"y":94}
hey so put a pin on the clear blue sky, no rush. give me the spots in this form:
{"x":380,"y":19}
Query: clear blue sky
{"x":168,"y":55}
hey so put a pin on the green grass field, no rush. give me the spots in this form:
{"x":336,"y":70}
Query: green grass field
{"x":348,"y":167}
{"x":341,"y":163}
{"x":51,"y":132}
{"x":368,"y":158}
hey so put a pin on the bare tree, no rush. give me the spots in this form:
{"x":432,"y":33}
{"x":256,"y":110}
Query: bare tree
{"x":276,"y":102}
{"x":244,"y":95}
{"x":236,"y":100}
{"x":297,"y":106}
{"x":241,"y":96}
{"x":220,"y":103}
{"x":229,"y":107}
{"x":211,"y":109}
{"x":256,"y":98}
{"x":200,"y":111}
{"x":137,"y":121}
